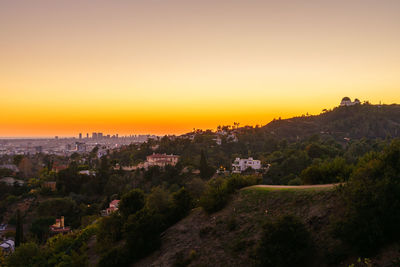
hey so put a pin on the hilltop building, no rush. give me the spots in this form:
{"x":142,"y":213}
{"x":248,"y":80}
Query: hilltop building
{"x":346,"y":101}
{"x":240,"y":165}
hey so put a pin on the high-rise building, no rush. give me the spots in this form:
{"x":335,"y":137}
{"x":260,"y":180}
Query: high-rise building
{"x":80,"y":135}
{"x":99,"y":135}
{"x":94,"y":135}
{"x":87,"y":135}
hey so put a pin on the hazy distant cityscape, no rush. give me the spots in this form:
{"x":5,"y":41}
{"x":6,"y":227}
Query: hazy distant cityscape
{"x":65,"y":146}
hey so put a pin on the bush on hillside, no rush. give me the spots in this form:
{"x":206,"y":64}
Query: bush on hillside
{"x":372,"y":203}
{"x":131,"y":202}
{"x":284,"y":243}
{"x":219,"y":190}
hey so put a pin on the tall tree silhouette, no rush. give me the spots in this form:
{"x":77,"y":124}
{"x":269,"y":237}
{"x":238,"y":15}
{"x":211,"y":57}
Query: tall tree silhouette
{"x":206,"y":171}
{"x":19,"y":234}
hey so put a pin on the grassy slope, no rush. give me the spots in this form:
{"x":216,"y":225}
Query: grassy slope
{"x":216,"y":241}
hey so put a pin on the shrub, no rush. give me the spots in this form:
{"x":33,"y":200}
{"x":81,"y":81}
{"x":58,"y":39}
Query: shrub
{"x":217,"y":194}
{"x":215,"y":197}
{"x":372,"y":203}
{"x":131,"y":202}
{"x":284,"y":243}
{"x":27,"y":254}
{"x":295,"y":181}
{"x":114,"y":257}
{"x":142,"y":232}
{"x":109,"y":231}
{"x":182,"y":203}
{"x":40,"y":227}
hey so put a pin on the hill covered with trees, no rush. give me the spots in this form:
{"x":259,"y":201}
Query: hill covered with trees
{"x":354,"y":122}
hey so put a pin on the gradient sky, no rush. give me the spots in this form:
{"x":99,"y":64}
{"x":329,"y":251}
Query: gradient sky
{"x":165,"y":67}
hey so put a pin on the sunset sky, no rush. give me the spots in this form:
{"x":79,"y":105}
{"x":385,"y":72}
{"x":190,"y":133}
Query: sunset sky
{"x":166,"y":67}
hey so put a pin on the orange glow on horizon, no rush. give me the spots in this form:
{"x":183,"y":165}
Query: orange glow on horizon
{"x":166,"y":67}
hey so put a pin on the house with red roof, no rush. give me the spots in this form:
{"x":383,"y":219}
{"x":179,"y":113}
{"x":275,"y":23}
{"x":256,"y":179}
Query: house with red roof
{"x":161,"y":160}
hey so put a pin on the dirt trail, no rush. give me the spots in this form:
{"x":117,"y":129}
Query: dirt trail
{"x":295,"y":186}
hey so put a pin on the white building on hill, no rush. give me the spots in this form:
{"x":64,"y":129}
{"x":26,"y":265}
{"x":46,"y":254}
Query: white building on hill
{"x":240,"y":165}
{"x":346,"y":101}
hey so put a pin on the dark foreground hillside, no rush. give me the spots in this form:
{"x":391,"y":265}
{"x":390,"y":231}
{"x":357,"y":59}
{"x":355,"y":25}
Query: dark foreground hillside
{"x":229,"y":237}
{"x":355,"y":122}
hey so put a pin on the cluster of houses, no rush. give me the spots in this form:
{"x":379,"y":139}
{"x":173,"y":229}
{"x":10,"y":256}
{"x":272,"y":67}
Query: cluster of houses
{"x":239,"y":165}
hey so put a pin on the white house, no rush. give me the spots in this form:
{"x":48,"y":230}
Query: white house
{"x":240,"y":165}
{"x":10,"y":181}
{"x":8,"y":246}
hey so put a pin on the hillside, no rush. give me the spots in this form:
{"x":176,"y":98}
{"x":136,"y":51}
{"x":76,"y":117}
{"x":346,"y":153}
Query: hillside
{"x":359,"y":121}
{"x":229,"y":237}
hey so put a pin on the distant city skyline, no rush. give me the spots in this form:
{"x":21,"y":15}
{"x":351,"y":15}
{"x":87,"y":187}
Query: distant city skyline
{"x":174,"y":132}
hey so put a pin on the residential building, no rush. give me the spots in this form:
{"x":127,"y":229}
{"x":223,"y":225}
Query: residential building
{"x":113,"y":207}
{"x":10,"y":181}
{"x":8,"y":246}
{"x":59,"y":227}
{"x":59,"y":167}
{"x":161,"y":160}
{"x":240,"y":165}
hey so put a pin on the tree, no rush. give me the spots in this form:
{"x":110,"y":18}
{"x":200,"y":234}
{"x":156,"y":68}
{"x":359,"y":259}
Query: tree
{"x":284,"y":243}
{"x":206,"y":171}
{"x":109,"y":231}
{"x":25,"y":166}
{"x":142,"y":232}
{"x":103,"y":174}
{"x":158,"y":200}
{"x":131,"y":202}
{"x":28,"y":254}
{"x":17,"y":159}
{"x":40,"y":227}
{"x":182,"y":203}
{"x":19,"y":234}
{"x":372,"y":203}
